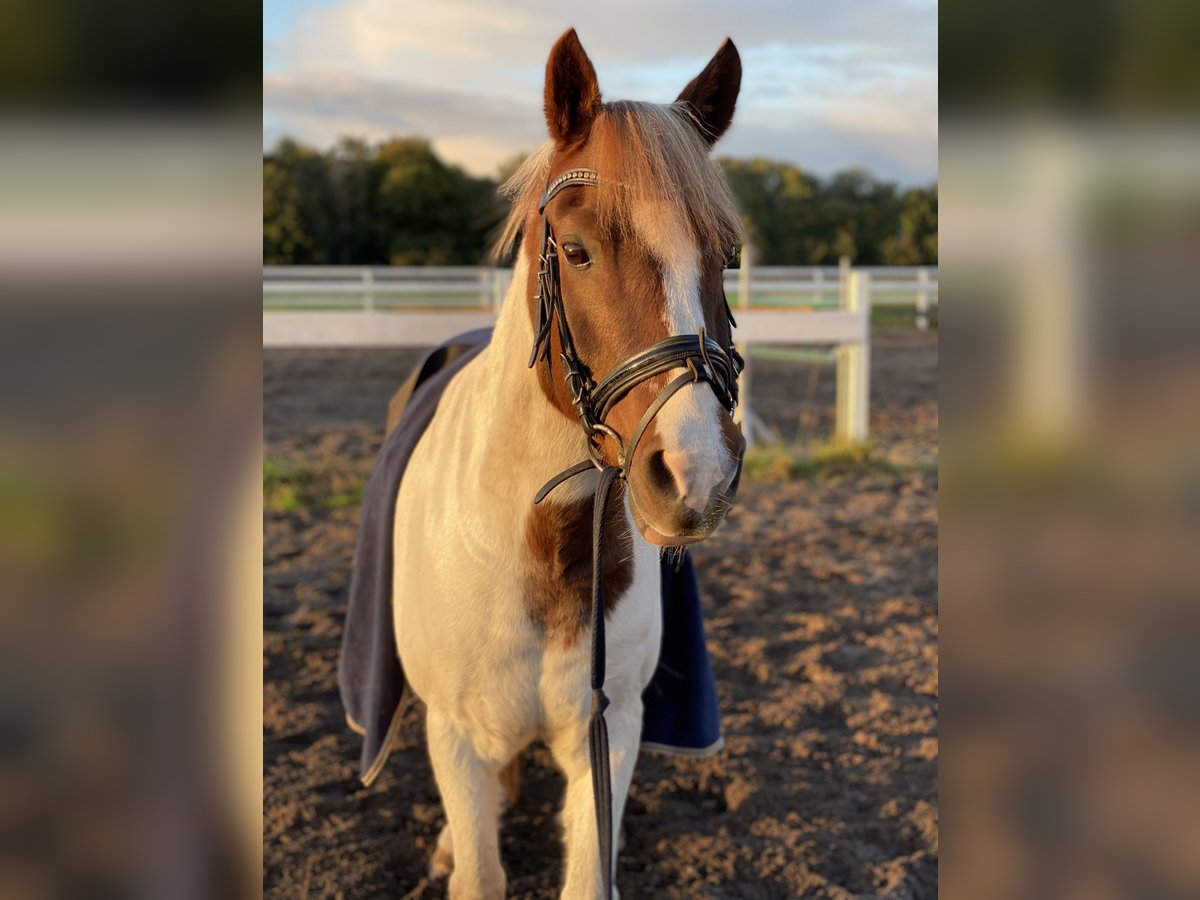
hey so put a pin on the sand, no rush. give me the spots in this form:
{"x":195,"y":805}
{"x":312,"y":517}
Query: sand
{"x":821,"y":603}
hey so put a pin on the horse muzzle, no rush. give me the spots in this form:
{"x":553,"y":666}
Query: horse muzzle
{"x":679,"y":497}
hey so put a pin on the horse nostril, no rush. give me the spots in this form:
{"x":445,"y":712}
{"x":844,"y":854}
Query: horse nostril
{"x":675,"y":464}
{"x":658,"y":474}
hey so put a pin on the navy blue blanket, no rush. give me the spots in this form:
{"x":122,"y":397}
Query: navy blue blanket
{"x":681,"y":714}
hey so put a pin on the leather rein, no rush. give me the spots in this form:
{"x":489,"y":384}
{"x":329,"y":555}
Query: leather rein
{"x":704,"y":359}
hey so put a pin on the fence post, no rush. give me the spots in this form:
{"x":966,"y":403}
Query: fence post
{"x":854,"y":365}
{"x":843,"y":279}
{"x":923,"y":299}
{"x":744,"y":276}
{"x":368,"y":278}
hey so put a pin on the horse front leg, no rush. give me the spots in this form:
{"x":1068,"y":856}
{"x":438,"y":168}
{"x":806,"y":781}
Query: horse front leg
{"x":583,"y":879}
{"x":470,"y":790}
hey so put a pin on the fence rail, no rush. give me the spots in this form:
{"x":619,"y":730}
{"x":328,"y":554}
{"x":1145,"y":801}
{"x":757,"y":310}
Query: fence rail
{"x":396,"y":287}
{"x":807,"y":306}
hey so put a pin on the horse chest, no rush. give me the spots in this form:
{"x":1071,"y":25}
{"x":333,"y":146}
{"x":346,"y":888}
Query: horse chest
{"x":558,"y":565}
{"x":503,"y":641}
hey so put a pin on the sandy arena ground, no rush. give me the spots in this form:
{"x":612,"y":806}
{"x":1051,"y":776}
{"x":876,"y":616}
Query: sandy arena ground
{"x":821,"y":601}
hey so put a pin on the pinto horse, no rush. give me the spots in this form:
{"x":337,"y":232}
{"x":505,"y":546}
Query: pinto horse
{"x":492,"y":593}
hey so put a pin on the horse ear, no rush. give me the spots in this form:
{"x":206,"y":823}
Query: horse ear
{"x":713,"y":93}
{"x":572,"y":92}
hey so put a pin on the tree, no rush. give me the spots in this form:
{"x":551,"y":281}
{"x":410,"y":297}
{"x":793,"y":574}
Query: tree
{"x":794,"y":218}
{"x":428,"y":213}
{"x":301,"y":174}
{"x":284,"y":239}
{"x":916,"y":241}
{"x":399,"y":203}
{"x":352,"y":187}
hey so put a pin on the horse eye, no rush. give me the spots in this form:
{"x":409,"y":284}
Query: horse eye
{"x":576,"y":255}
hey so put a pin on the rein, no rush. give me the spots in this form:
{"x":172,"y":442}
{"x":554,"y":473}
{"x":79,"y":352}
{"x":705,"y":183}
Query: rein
{"x":704,"y":359}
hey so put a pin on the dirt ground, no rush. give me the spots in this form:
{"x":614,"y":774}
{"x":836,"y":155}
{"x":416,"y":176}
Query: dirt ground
{"x":821,"y":603}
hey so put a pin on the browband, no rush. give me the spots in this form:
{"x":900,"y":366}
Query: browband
{"x":569,"y":178}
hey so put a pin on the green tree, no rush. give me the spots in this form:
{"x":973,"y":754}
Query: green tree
{"x":916,"y":240}
{"x":399,"y":203}
{"x":301,"y":173}
{"x":794,"y":218}
{"x":351,"y":179}
{"x":428,"y":213}
{"x":284,"y":239}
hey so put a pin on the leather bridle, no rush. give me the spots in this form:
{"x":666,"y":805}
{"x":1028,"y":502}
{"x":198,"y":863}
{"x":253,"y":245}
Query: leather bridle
{"x":704,"y":359}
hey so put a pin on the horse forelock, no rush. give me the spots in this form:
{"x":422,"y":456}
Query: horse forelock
{"x":654,"y":170}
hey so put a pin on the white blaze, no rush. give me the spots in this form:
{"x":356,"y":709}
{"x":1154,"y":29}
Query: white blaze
{"x":689,"y":424}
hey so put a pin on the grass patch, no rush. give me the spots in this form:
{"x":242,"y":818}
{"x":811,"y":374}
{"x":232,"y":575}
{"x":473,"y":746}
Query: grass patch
{"x":900,"y":316}
{"x":775,"y":463}
{"x":289,"y":486}
{"x":342,"y":499}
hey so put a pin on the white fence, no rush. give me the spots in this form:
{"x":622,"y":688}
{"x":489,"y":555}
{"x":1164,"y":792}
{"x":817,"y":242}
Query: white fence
{"x":369,"y":288}
{"x":335,"y":306}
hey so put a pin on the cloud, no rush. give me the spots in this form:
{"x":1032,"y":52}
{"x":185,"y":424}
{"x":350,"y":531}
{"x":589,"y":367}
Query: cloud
{"x":474,"y":130}
{"x":826,"y":85}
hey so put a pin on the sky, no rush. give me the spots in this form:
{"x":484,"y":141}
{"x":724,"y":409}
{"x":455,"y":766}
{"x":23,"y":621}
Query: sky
{"x":826,"y":85}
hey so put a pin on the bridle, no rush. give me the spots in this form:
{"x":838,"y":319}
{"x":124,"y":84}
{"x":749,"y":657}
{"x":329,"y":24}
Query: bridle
{"x":704,"y":359}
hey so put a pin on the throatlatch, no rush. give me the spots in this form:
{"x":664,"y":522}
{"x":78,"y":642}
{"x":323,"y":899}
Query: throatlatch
{"x":705,"y":360}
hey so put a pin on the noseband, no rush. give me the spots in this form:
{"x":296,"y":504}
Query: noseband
{"x":704,"y":359}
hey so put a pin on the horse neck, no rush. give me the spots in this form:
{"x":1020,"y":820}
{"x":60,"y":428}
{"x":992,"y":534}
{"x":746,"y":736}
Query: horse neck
{"x":531,"y":440}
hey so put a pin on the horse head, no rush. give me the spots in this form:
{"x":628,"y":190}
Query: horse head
{"x":634,"y":233}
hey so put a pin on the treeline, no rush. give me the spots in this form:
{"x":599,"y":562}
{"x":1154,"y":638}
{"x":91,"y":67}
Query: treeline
{"x":794,"y":218}
{"x":397,"y":203}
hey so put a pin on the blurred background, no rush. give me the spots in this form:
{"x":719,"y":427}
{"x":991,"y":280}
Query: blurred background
{"x":1070,"y":387}
{"x":129,"y":441}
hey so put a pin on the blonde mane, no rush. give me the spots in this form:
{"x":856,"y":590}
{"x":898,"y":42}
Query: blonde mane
{"x":653,"y":167}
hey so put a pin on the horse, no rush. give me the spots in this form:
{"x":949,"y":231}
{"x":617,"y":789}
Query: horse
{"x":622,"y":225}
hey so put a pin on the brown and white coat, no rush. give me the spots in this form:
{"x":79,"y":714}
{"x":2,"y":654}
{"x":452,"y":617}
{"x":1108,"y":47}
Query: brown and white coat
{"x":492,"y":627}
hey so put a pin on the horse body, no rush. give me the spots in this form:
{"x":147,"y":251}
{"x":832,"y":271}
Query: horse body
{"x":491,"y":593}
